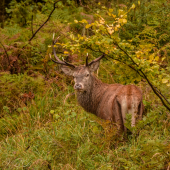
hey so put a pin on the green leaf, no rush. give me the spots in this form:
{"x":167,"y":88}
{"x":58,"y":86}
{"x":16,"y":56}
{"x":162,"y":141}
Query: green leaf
{"x":73,"y":114}
{"x":95,"y":129}
{"x":56,"y":116}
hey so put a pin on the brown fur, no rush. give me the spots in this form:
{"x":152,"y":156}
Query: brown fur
{"x":107,"y":101}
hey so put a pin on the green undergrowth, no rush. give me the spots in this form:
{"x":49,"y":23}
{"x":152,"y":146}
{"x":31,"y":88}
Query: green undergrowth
{"x":16,"y":90}
{"x":45,"y":133}
{"x":41,"y":124}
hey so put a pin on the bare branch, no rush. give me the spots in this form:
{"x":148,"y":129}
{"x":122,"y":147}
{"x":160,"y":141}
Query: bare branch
{"x":142,"y":74}
{"x":54,"y":7}
{"x":45,"y":21}
{"x":155,"y":89}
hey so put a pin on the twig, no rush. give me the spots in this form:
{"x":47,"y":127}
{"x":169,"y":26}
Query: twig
{"x":161,"y":94}
{"x":85,"y":6}
{"x":32,"y":25}
{"x":45,"y":21}
{"x":126,"y":54}
{"x":68,"y":95}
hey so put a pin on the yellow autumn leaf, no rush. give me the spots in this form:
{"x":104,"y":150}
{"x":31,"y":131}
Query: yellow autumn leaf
{"x":163,"y":58}
{"x":84,"y":21}
{"x":114,"y":16}
{"x":151,"y":57}
{"x":109,"y":14}
{"x":137,"y":55}
{"x":88,"y":26}
{"x":81,"y":38}
{"x":120,"y":12}
{"x":168,"y":84}
{"x":72,"y":36}
{"x":124,"y":21}
{"x":101,"y":21}
{"x":65,"y":52}
{"x":110,"y":30}
{"x":138,"y":2}
{"x":156,"y":58}
{"x":75,"y":21}
{"x":110,"y":10}
{"x":117,"y":27}
{"x":164,"y":80}
{"x":133,"y":6}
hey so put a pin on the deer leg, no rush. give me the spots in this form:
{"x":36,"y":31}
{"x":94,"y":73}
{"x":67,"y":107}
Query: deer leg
{"x":124,"y":112}
{"x":140,"y":110}
{"x":133,"y":111}
{"x":118,"y":116}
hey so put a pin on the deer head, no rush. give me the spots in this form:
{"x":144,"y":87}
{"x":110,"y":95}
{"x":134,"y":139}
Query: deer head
{"x":82,"y":74}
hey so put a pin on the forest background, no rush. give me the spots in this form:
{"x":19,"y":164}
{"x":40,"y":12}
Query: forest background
{"x":41,"y":124}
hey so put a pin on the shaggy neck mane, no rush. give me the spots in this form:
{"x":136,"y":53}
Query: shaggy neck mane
{"x":90,"y":99}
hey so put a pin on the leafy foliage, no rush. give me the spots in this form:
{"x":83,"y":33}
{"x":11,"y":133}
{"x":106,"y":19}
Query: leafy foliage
{"x":14,"y":87}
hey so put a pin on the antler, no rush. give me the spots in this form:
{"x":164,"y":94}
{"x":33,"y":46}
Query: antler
{"x":97,"y":59}
{"x":87,"y":60}
{"x":58,"y":61}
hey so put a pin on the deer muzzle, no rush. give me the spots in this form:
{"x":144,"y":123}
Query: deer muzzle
{"x":78,"y":87}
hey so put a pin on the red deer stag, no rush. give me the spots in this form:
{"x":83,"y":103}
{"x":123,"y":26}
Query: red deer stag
{"x":107,"y":101}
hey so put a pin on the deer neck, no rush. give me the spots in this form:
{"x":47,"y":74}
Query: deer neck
{"x":90,"y":99}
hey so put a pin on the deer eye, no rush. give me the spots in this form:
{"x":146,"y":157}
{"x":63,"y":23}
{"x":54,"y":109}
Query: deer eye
{"x":87,"y":74}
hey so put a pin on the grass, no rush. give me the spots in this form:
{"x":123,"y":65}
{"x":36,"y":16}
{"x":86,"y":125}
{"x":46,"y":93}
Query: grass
{"x":46,"y":134}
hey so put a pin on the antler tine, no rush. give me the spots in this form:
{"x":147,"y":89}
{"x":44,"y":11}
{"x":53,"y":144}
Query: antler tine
{"x":55,"y":55}
{"x":87,"y":60}
{"x":54,"y":41}
{"x":54,"y":60}
{"x":97,"y":59}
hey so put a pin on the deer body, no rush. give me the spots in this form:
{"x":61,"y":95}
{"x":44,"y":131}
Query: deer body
{"x":112,"y":102}
{"x":107,"y":101}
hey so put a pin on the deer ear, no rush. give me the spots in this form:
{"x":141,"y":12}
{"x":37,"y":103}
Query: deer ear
{"x":94,"y":66}
{"x":68,"y":71}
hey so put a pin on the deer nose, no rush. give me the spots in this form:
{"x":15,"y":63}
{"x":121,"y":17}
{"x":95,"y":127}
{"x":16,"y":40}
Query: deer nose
{"x":77,"y":86}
